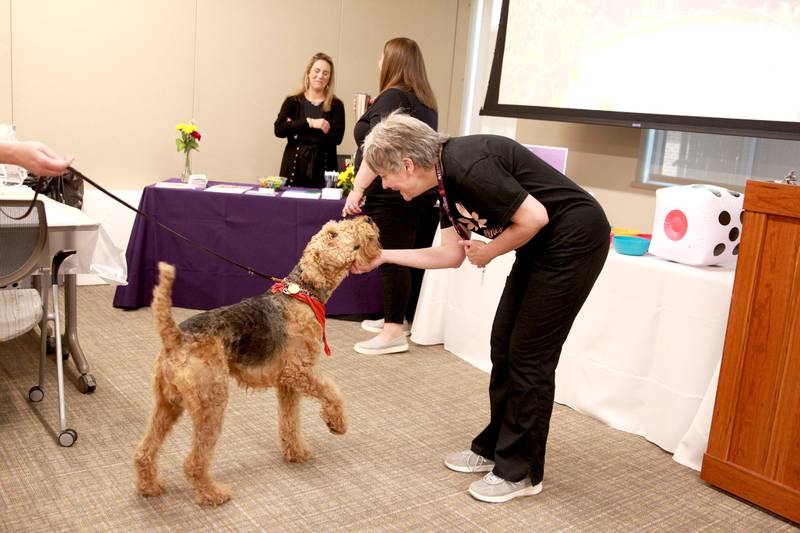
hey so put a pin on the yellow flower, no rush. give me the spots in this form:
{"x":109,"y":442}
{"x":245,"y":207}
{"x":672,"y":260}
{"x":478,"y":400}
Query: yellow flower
{"x":345,"y":179}
{"x":186,"y":128}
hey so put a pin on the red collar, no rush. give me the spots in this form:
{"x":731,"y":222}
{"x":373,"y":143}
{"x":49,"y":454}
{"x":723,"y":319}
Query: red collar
{"x":316,"y":306}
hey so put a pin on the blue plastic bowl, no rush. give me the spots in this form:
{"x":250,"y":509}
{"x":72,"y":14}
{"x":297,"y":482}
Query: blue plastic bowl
{"x":630,"y":245}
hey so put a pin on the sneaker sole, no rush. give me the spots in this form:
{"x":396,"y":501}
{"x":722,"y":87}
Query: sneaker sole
{"x":486,"y":467}
{"x":381,"y":351}
{"x":527,"y":491}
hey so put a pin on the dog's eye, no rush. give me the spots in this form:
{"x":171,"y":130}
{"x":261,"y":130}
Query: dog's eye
{"x":333,"y":234}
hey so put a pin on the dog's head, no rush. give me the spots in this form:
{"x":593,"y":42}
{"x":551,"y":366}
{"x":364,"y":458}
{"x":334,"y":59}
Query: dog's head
{"x":333,"y":250}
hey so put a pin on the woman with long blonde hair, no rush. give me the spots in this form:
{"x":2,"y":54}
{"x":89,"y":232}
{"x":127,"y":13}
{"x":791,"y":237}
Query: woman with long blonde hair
{"x":312,"y":122}
{"x":403,"y":84}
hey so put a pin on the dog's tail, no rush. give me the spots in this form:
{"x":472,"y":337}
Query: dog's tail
{"x":162,"y":307}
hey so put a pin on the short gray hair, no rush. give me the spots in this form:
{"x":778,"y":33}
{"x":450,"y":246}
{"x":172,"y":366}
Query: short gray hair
{"x":399,"y":136}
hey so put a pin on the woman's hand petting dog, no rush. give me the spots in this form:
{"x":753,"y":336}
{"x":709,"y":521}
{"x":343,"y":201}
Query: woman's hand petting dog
{"x":363,"y":268}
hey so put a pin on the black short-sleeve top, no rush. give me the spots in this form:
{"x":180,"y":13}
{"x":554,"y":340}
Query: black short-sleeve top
{"x":487,"y":177}
{"x":388,"y":101}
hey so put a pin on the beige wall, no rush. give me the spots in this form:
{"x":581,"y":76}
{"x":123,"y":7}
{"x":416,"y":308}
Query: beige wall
{"x":107,"y":80}
{"x":602,"y":159}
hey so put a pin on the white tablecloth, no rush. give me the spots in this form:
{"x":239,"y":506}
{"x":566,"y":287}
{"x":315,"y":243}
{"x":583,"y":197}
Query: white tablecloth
{"x":643,"y":354}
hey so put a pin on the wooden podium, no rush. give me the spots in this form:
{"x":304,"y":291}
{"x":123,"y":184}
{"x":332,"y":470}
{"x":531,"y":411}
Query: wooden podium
{"x":754,"y":445}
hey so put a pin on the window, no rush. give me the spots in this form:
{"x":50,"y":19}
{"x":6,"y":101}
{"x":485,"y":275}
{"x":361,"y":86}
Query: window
{"x":679,"y":158}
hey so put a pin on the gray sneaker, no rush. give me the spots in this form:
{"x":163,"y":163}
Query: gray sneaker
{"x":374,"y":346}
{"x":468,"y":461}
{"x":376,"y":326}
{"x":494,"y":489}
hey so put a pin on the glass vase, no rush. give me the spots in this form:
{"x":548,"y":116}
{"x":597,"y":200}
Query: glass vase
{"x":187,"y":167}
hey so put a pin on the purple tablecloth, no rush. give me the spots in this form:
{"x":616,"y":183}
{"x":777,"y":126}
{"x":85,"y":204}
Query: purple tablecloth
{"x":265,"y":233}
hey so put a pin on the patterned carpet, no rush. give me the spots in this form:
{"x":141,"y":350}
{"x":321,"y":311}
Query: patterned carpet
{"x":406,"y":411}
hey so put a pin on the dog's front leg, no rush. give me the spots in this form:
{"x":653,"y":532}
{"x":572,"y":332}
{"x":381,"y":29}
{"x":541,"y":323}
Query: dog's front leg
{"x":294,"y":448}
{"x":311,"y":383}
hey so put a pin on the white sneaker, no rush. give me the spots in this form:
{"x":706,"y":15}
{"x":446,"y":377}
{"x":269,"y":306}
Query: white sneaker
{"x":375,"y":346}
{"x":494,"y":489}
{"x":468,"y":461}
{"x":376,"y":326}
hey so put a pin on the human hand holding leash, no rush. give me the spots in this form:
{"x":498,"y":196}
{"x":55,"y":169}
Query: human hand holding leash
{"x":35,"y":157}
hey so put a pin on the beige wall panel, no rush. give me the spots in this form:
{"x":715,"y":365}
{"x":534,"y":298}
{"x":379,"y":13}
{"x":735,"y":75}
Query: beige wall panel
{"x":105,"y":80}
{"x":250,"y":55}
{"x":602,"y":159}
{"x":368,"y":24}
{"x":459,"y":69}
{"x":6,"y":116}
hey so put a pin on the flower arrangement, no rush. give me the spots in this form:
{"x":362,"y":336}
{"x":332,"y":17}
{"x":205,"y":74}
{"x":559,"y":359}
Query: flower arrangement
{"x":346,"y":178}
{"x":188,"y":140}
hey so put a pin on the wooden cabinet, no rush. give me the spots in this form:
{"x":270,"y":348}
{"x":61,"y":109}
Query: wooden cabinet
{"x":754,"y":445}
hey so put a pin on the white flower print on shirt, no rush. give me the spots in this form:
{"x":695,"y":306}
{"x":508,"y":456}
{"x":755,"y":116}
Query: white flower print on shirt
{"x":473,"y":221}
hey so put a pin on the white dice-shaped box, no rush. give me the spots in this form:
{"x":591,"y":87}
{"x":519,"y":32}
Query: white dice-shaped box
{"x":697,"y":224}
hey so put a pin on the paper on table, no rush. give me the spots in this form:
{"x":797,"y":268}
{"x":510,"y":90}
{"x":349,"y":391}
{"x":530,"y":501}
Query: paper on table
{"x":312,"y":195}
{"x":262,"y":191}
{"x":228,"y":188}
{"x":331,"y":193}
{"x":172,"y":185}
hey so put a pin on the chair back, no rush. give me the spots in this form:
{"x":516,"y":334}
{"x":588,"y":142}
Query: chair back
{"x":21,"y":241}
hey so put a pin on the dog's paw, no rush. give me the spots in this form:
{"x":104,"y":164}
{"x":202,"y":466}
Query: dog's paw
{"x":335,"y":420}
{"x":215,"y":494}
{"x":150,"y":488}
{"x":296,"y":453}
{"x":337,"y":425}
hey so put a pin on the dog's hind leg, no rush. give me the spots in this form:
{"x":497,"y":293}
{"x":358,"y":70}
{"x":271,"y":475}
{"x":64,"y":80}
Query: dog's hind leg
{"x":206,"y":403}
{"x":313,"y":384}
{"x":165,"y":414}
{"x":294,"y":449}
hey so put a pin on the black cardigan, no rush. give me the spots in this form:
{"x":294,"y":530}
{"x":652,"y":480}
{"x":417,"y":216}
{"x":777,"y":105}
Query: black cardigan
{"x":309,"y":152}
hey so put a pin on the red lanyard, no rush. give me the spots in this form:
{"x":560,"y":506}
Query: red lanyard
{"x":461,"y":230}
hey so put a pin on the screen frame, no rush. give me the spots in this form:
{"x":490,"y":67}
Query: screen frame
{"x":725,"y":126}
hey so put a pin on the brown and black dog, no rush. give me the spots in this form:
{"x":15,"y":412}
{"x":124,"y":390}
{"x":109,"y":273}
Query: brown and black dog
{"x":271,"y":340}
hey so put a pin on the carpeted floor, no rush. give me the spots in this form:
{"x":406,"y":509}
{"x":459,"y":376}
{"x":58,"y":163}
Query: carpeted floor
{"x":406,"y":411}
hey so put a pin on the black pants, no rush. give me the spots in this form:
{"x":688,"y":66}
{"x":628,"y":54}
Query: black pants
{"x":536,"y":311}
{"x":410,"y":228}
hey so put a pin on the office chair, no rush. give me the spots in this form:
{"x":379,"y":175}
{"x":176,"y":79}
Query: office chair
{"x":23,"y":242}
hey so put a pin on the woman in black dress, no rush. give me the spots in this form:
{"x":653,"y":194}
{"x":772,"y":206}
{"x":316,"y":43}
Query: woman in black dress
{"x":403,"y":85}
{"x":312,"y":121}
{"x":496,"y":187}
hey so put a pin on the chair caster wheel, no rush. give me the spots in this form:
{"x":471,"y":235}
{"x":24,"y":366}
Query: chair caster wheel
{"x":86,"y":384}
{"x":67,"y":437}
{"x":35,"y":394}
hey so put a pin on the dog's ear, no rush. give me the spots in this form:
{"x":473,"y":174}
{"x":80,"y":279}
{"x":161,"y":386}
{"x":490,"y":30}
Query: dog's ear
{"x":367,"y":241}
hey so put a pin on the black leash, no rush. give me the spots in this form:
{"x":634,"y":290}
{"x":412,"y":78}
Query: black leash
{"x":250,"y":270}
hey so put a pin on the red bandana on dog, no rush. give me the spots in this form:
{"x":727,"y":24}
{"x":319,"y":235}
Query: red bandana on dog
{"x":293,"y":290}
